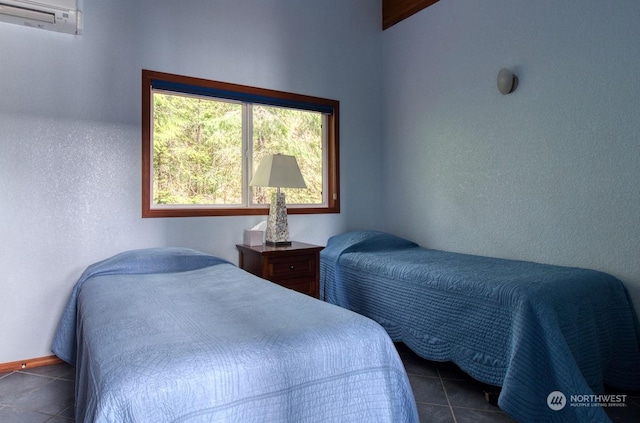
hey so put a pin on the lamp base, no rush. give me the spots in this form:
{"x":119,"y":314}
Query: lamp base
{"x":277,"y":226}
{"x":278,"y":244}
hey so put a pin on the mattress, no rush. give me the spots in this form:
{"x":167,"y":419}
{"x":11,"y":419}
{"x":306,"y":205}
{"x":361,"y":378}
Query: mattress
{"x":531,"y":328}
{"x":174,"y":335}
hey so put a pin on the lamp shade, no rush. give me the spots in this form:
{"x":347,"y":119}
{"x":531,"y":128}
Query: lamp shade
{"x":278,"y":170}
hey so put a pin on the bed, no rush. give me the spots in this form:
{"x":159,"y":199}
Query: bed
{"x":176,"y":335}
{"x":529,"y":328}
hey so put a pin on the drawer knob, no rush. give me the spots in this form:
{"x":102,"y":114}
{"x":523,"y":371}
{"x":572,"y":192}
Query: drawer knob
{"x":293,"y":267}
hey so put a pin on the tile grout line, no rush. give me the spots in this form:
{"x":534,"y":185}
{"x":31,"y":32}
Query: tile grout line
{"x":446,"y":395}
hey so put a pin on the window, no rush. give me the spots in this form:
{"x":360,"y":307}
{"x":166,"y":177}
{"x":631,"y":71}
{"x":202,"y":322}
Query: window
{"x":202,"y":140}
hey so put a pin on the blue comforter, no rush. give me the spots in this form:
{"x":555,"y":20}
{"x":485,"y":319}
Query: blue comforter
{"x":174,"y":335}
{"x":530,"y":328}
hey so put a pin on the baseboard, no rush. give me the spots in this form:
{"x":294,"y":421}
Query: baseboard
{"x":29,"y":363}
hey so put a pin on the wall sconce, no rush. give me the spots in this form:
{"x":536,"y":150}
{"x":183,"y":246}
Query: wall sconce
{"x":507,"y":81}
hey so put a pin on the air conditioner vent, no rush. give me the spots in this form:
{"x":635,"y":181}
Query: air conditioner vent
{"x":52,"y":15}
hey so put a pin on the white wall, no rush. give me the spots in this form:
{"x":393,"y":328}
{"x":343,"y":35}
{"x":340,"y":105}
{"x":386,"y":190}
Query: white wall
{"x":70,"y":160}
{"x":549,"y":173}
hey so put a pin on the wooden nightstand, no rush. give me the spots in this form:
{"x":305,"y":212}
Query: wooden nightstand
{"x":295,"y":266}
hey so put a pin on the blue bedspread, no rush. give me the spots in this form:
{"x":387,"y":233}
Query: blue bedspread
{"x":173,"y":335}
{"x":530,"y":328}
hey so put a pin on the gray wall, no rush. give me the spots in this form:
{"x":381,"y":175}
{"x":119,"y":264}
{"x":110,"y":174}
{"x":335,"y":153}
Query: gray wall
{"x":549,"y":173}
{"x":70,"y":136}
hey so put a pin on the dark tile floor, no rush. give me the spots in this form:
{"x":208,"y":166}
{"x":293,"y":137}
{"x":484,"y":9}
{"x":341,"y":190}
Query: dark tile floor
{"x":446,"y":394}
{"x":38,"y":395}
{"x":443,"y":393}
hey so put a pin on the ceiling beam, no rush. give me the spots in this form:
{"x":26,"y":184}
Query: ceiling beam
{"x":393,"y":11}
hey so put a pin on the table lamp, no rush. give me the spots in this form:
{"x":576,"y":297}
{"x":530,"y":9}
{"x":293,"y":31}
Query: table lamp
{"x":279,"y":171}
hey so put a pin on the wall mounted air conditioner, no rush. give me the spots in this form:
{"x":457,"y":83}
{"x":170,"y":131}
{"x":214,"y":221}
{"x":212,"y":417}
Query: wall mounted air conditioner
{"x":53,"y":15}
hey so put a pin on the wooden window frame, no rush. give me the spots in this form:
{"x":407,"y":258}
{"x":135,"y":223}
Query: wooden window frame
{"x":332,"y":172}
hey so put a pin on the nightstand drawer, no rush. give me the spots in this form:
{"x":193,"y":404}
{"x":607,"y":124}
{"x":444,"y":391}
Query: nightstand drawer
{"x":291,"y":267}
